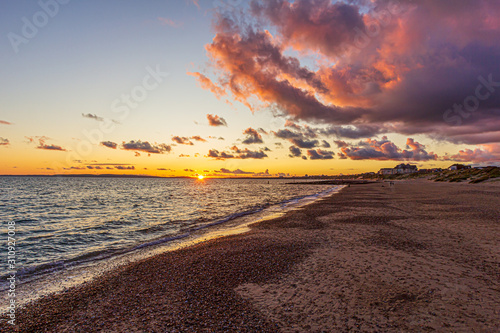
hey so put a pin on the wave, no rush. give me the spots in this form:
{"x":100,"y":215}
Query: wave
{"x":30,"y":273}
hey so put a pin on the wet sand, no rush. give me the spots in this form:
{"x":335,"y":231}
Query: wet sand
{"x":419,"y":256}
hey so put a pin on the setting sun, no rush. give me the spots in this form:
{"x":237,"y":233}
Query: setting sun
{"x":200,"y":177}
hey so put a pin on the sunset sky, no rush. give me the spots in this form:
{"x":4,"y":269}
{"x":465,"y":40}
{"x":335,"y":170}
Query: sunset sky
{"x":233,"y":87}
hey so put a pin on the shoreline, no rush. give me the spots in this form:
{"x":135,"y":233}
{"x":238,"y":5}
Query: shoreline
{"x":72,"y":274}
{"x":416,"y":256}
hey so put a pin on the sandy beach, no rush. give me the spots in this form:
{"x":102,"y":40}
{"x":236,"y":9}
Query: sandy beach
{"x":415,"y":257}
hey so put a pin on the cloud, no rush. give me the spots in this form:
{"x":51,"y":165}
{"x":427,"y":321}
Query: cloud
{"x":218,"y":138}
{"x":236,"y":153}
{"x":3,"y":122}
{"x":43,"y":145}
{"x":109,"y":144}
{"x":146,"y":147}
{"x":182,"y":140}
{"x":75,"y":168}
{"x":92,"y":116}
{"x":246,"y":153}
{"x":189,"y":170}
{"x":319,"y":154}
{"x":286,"y":134}
{"x":319,"y":26}
{"x":485,"y":154}
{"x":301,"y":143}
{"x":384,"y":149}
{"x":341,"y":143}
{"x":164,"y":169}
{"x":291,"y":124}
{"x":234,"y":172}
{"x":301,"y":137}
{"x":206,"y":83}
{"x":252,"y":136}
{"x":121,"y":167}
{"x":169,"y":22}
{"x":198,"y":138}
{"x":383,"y":66}
{"x":215,"y":120}
{"x":112,"y":164}
{"x":294,"y":151}
{"x":325,"y":144}
{"x":4,"y":142}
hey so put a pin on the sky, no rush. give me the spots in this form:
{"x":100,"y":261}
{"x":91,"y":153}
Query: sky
{"x":247,"y":88}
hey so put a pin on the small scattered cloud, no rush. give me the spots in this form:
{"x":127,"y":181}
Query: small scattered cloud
{"x":216,"y":138}
{"x":182,"y":140}
{"x":92,"y":116}
{"x":146,"y":147}
{"x":252,"y":136}
{"x":302,"y":143}
{"x":286,"y":134}
{"x":295,"y":151}
{"x":236,"y":153}
{"x":4,"y":142}
{"x":215,"y":120}
{"x":325,"y":144}
{"x":302,"y":137}
{"x":75,"y":168}
{"x":234,"y":172}
{"x":319,"y":154}
{"x":109,"y":144}
{"x":198,"y":138}
{"x":340,"y":143}
{"x":188,"y":170}
{"x":43,"y":145}
{"x":110,"y":164}
{"x":3,"y":122}
{"x":122,"y":167}
{"x":98,"y":118}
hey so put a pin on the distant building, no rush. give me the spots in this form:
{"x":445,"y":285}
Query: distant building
{"x":400,"y":169}
{"x":458,"y":167}
{"x":386,"y":171}
{"x":406,"y":168}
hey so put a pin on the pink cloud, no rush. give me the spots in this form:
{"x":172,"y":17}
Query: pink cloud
{"x":384,"y":150}
{"x":487,"y":153}
{"x":215,"y":120}
{"x":381,"y":64}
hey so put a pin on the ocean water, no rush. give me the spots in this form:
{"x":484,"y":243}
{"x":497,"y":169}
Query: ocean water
{"x":61,"y":222}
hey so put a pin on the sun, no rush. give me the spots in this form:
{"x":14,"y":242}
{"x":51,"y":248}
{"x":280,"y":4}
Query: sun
{"x":200,"y":177}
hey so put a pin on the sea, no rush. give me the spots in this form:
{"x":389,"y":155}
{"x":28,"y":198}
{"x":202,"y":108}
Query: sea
{"x":68,"y":230}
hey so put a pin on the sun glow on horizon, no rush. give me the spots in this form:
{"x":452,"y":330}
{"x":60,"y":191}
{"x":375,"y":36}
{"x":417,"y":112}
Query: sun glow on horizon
{"x":201,"y":177}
